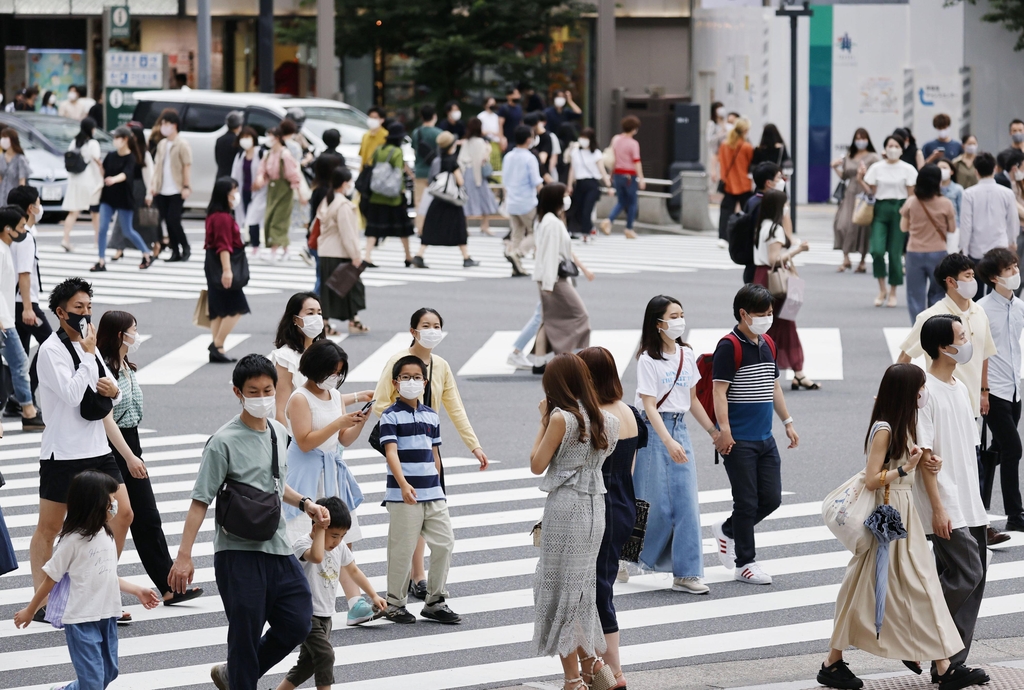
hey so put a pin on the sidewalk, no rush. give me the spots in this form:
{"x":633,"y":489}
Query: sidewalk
{"x":1002,"y":658}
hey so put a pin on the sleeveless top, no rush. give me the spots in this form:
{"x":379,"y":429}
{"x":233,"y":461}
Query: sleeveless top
{"x":891,"y":464}
{"x":288,"y":358}
{"x":578,"y":465}
{"x":323,"y":412}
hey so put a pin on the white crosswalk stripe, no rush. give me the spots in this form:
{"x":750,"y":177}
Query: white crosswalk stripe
{"x":497,"y":565}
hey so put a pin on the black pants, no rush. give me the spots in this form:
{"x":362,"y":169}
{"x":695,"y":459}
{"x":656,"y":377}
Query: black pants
{"x":748,"y":273}
{"x":729,"y":203}
{"x":170,"y":208}
{"x":619,"y":518}
{"x":584,"y":198}
{"x":41,"y":331}
{"x":1003,"y":417}
{"x":755,"y":473}
{"x":259,"y":588}
{"x":962,"y":563}
{"x":147,"y":529}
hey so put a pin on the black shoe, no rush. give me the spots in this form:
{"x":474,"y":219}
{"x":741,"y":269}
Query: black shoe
{"x":177,"y":598}
{"x":399,"y":614}
{"x":960,"y":676}
{"x":33,"y":423}
{"x":517,"y":267}
{"x":369,"y":265}
{"x":220,"y":357}
{"x":469,"y":263}
{"x":186,"y":253}
{"x":839,"y":675}
{"x":539,"y":370}
{"x":439,"y":611}
{"x":418,"y":589}
{"x":97,"y":268}
{"x":40,"y":615}
{"x":997,"y":537}
{"x":175,"y":256}
{"x":1012,"y":525}
{"x":13,"y":409}
{"x":417,"y":261}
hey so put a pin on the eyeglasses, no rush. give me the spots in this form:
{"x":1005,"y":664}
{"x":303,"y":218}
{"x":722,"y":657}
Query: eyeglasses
{"x":407,"y":377}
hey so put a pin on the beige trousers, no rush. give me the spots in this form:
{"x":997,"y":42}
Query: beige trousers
{"x":522,"y":233}
{"x":408,"y":523}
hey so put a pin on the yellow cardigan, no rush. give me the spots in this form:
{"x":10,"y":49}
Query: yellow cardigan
{"x":442,"y":387}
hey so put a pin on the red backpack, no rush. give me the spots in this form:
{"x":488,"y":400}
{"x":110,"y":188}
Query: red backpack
{"x":706,"y":384}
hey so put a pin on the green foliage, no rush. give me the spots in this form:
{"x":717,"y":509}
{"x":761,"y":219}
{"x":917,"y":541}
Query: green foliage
{"x":1009,"y":13}
{"x":295,"y":30}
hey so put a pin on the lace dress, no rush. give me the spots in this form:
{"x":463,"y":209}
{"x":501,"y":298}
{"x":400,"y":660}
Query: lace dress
{"x":565,"y":586}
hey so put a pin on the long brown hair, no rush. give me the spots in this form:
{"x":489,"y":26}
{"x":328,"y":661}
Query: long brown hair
{"x":568,"y":385}
{"x":896,"y":404}
{"x":12,"y":134}
{"x":603,"y":373}
{"x":110,"y":336}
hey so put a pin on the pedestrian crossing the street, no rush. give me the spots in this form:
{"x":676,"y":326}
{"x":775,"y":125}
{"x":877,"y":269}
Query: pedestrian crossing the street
{"x":490,"y":582}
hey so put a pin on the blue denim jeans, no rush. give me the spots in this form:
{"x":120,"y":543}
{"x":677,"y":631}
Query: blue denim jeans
{"x":124,"y":218}
{"x":93,"y":650}
{"x":626,"y":189}
{"x":17,"y":360}
{"x":529,"y":330}
{"x":673,"y":539}
{"x":755,"y":473}
{"x":922,"y":289}
{"x":316,"y":263}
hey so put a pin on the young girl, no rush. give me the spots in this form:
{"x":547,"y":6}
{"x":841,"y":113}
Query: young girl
{"x":87,"y":555}
{"x":665,"y":476}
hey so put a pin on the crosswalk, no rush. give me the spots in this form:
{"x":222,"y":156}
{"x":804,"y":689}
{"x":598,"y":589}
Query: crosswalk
{"x":490,"y":583}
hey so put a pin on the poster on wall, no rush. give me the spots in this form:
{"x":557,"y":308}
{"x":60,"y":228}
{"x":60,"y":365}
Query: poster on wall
{"x":56,"y":70}
{"x":15,"y":70}
{"x":879,"y":96}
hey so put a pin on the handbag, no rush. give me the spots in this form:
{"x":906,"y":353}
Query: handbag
{"x":147,"y":218}
{"x":314,"y":235}
{"x":445,"y":187}
{"x":201,"y":315}
{"x":239,"y":268}
{"x":794,"y":298}
{"x":94,"y":406}
{"x":248,"y":512}
{"x":840,"y":191}
{"x":58,"y":602}
{"x":344,"y":277}
{"x":844,"y":511}
{"x":778,"y":281}
{"x":608,"y":156}
{"x":567,"y":268}
{"x":635,"y":544}
{"x":863,"y":209}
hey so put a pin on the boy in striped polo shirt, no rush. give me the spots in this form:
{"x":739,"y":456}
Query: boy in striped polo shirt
{"x":410,"y":433}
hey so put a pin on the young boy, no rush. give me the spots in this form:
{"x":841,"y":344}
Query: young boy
{"x":323,"y":555}
{"x":410,"y":433}
{"x":949,"y":502}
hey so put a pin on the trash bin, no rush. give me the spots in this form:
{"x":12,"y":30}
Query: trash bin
{"x":693,"y":190}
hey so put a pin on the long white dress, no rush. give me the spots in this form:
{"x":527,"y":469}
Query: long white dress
{"x":84,"y":188}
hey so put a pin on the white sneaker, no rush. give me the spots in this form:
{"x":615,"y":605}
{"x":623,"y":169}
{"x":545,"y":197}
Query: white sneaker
{"x":691,"y":585}
{"x":623,"y":574}
{"x":726,"y":546}
{"x":752,"y":574}
{"x":722,"y":244}
{"x":518,"y":360}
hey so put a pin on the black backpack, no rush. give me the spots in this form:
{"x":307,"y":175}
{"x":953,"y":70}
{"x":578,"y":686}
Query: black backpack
{"x":741,"y":230}
{"x":74,"y":163}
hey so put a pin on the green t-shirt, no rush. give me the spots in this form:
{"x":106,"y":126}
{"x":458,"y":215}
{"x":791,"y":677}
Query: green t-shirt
{"x":425,"y":138}
{"x":244,"y":455}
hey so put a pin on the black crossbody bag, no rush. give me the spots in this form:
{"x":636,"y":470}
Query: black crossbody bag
{"x":94,"y":406}
{"x":248,"y":512}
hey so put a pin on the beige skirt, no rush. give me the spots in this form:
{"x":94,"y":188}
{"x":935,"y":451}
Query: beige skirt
{"x":565,"y":323}
{"x":917,"y":625}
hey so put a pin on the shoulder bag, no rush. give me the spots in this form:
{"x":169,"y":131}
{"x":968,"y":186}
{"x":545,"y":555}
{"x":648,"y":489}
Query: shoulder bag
{"x":567,"y":268}
{"x":446,"y":187}
{"x":846,"y":508}
{"x":386,"y":179}
{"x":608,"y":156}
{"x":94,"y":406}
{"x":239,"y":269}
{"x":863,"y":209}
{"x":721,"y":182}
{"x":679,"y":370}
{"x":248,"y":512}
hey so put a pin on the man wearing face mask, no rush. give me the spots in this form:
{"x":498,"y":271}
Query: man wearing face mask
{"x":510,"y":115}
{"x":453,"y":120}
{"x":745,"y":396}
{"x":226,"y":147}
{"x":949,"y":502}
{"x":943,"y":146}
{"x":563,"y":109}
{"x":171,"y":183}
{"x":988,"y":213}
{"x":259,"y":580}
{"x":374,"y":137}
{"x":12,"y":230}
{"x":74,"y":107}
{"x":1017,"y":134}
{"x":31,"y":320}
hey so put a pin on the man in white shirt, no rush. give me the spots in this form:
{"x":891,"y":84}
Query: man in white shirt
{"x":171,"y":183}
{"x":949,"y":502}
{"x":31,"y":320}
{"x":12,"y":229}
{"x":988,"y":213}
{"x":75,"y":107}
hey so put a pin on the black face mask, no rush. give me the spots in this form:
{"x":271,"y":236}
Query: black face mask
{"x":79,"y":322}
{"x":515,"y":101}
{"x":21,"y":237}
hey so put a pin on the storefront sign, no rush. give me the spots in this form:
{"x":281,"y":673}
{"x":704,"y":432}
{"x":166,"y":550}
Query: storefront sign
{"x":125,"y":74}
{"x":120,"y":22}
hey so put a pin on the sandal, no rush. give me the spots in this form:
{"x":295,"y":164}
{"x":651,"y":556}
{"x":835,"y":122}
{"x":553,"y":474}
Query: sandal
{"x":844,"y":267}
{"x":357,"y":328}
{"x":861,"y":268}
{"x":891,"y":303}
{"x":603,"y":679}
{"x":880,"y":300}
{"x":801,"y":382}
{"x":619,"y":679}
{"x":574,"y":683}
{"x":117,"y":256}
{"x":147,"y":261}
{"x":331,"y":330}
{"x":125,"y":618}
{"x":67,"y":247}
{"x":177,"y":598}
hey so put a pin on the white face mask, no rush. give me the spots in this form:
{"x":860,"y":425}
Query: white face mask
{"x":893,"y":153}
{"x":330,"y":383}
{"x":430,"y":337}
{"x":559,"y":102}
{"x":112,"y":510}
{"x":759,"y":325}
{"x":1017,"y":174}
{"x":922,"y":398}
{"x":411,"y":390}
{"x":1011,"y":283}
{"x":971,"y":149}
{"x":962,"y":353}
{"x":780,"y":185}
{"x":5,"y":143}
{"x":944,"y":133}
{"x":260,"y":408}
{"x":584,"y":143}
{"x":234,"y":199}
{"x":245,"y":144}
{"x":729,"y":126}
{"x":312,"y":325}
{"x":167,"y":130}
{"x":373,"y":123}
{"x":72,"y":96}
{"x":719,"y":112}
{"x":674,"y":328}
{"x":946,"y":174}
{"x":566,"y":202}
{"x":455,"y":115}
{"x":967,"y":288}
{"x":136,"y":341}
{"x":52,"y":102}
{"x":860,"y":144}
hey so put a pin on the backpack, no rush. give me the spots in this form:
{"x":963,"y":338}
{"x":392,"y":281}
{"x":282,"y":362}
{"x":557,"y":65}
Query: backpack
{"x":386,"y":179}
{"x":74,"y":162}
{"x":740,"y":230}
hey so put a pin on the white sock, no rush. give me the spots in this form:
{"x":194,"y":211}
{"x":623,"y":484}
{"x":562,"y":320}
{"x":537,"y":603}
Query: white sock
{"x":352,"y":602}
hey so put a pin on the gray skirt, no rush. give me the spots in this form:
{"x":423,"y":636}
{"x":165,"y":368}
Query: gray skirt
{"x":480,"y":200}
{"x":565,"y":323}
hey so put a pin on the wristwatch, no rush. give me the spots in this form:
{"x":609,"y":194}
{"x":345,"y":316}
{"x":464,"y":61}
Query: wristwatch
{"x":302,"y":503}
{"x":900,"y":471}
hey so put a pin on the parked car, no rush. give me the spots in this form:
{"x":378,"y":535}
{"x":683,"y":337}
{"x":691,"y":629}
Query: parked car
{"x":45,"y":138}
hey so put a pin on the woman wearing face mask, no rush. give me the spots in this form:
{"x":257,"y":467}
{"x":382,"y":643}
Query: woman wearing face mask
{"x":14,"y":166}
{"x":118,"y":195}
{"x":445,"y":223}
{"x":339,"y":244}
{"x":586,"y":174}
{"x":890,"y":182}
{"x":223,"y":243}
{"x":714,"y":135}
{"x":950,"y":187}
{"x":279,"y":173}
{"x":141,"y":183}
{"x":244,"y":170}
{"x":116,"y":339}
{"x":387,"y":216}
{"x":966,"y":175}
{"x":440,"y":391}
{"x":83,"y":190}
{"x":911,"y":154}
{"x":772,"y":148}
{"x":665,"y":474}
{"x":851,"y":168}
{"x":474,"y":158}
{"x":928,"y":218}
{"x":49,"y":106}
{"x":490,"y":127}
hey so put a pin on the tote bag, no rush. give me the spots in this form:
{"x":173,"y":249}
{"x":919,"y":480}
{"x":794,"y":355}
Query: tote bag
{"x":863,"y":210}
{"x":446,"y":188}
{"x":201,"y":316}
{"x":845,"y":510}
{"x":794,"y":298}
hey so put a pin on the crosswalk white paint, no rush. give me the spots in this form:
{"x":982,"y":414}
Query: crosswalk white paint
{"x":823,"y":349}
{"x":183,"y":361}
{"x":490,"y":360}
{"x":368,"y":371}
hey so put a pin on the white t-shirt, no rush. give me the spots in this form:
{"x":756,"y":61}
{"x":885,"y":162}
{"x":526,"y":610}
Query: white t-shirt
{"x":91,"y":565}
{"x":584,"y":164}
{"x":891,"y":179}
{"x":946,"y":426}
{"x":23,"y":254}
{"x":167,"y":186}
{"x":763,"y":240}
{"x":323,"y":576}
{"x":489,"y":125}
{"x":8,"y":286}
{"x":654,"y":377}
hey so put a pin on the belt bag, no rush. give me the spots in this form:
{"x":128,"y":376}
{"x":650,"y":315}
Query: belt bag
{"x":94,"y":406}
{"x":248,"y":512}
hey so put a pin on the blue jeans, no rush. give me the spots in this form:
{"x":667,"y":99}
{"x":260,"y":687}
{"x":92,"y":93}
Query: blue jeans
{"x":626,"y":189}
{"x":316,"y":263}
{"x":755,"y":473}
{"x":93,"y":650}
{"x":529,"y":330}
{"x":673,"y":540}
{"x":17,"y":360}
{"x":124,"y":218}
{"x":921,"y":283}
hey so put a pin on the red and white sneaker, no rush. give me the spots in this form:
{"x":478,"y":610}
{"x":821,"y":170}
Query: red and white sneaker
{"x":752,"y":574}
{"x":726,"y":546}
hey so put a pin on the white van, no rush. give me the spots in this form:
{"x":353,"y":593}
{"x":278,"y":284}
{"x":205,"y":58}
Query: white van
{"x":202,"y":123}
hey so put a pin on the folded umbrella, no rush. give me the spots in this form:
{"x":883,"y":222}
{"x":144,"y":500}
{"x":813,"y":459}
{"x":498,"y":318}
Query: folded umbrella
{"x":886,"y":524}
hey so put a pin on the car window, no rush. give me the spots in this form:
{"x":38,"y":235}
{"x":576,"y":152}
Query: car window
{"x":147,"y":112}
{"x":261,"y":120}
{"x":25,"y":136}
{"x":204,"y":118}
{"x":338,"y":116}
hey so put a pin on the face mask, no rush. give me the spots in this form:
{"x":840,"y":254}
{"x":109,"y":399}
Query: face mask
{"x":944,"y":133}
{"x":455,"y":115}
{"x":79,"y":322}
{"x":52,"y":102}
{"x":967,"y":288}
{"x":971,"y":149}
{"x":584,"y":143}
{"x":566,"y":202}
{"x":21,"y":237}
{"x":133,"y":346}
{"x":946,"y":174}
{"x":234,"y":199}
{"x":719,"y":112}
{"x":729,"y":126}
{"x":515,"y":101}
{"x":260,"y":408}
{"x":330,"y":383}
{"x":245,"y":144}
{"x":410,"y":390}
{"x":112,"y":510}
{"x":893,"y":153}
{"x":166,"y":130}
{"x":922,"y":398}
{"x":373,"y":123}
{"x":5,"y":143}
{"x":860,"y":144}
{"x":962,"y":354}
{"x":759,"y":325}
{"x":118,"y":143}
{"x":674,"y":328}
{"x":312,"y":326}
{"x":1018,"y":175}
{"x":72,"y":96}
{"x":1018,"y":137}
{"x":1011,"y":283}
{"x":429,"y":337}
{"x":780,"y":186}
{"x":559,"y":102}
{"x":348,"y":191}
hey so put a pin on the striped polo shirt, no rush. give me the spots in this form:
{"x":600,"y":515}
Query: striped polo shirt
{"x":751,"y":386}
{"x":415,"y":431}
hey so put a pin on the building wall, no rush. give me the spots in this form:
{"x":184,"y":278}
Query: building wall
{"x":652,"y":52}
{"x":997,"y":94}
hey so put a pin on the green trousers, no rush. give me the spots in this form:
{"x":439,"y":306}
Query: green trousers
{"x":886,"y":236}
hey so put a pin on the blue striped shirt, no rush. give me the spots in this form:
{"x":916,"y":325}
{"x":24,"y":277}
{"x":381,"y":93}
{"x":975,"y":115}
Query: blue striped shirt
{"x":415,"y":431}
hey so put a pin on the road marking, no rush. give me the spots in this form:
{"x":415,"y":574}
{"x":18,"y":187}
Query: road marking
{"x":490,"y":359}
{"x":823,"y":349}
{"x":183,"y":361}
{"x":369,"y":370}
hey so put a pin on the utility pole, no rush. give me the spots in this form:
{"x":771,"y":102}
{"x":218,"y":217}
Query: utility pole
{"x":203,"y":31}
{"x":794,"y":12}
{"x":265,"y":46}
{"x":605,"y":70}
{"x":326,"y":77}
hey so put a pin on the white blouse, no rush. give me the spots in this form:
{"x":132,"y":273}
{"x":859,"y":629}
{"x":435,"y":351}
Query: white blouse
{"x":553,"y":245}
